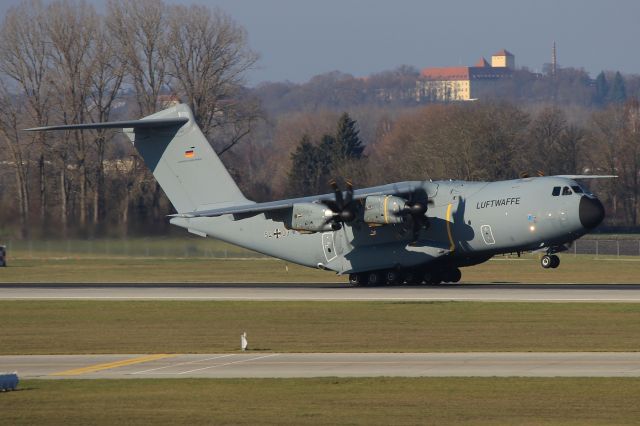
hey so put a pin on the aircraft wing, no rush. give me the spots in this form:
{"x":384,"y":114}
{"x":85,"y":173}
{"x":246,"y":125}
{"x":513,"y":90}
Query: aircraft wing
{"x":574,"y":177}
{"x":402,"y":188}
{"x":130,"y":124}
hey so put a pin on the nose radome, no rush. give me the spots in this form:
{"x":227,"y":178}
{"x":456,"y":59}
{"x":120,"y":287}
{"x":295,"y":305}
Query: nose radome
{"x":591,"y":212}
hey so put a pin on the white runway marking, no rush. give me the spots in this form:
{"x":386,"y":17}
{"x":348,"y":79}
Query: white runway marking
{"x":228,"y":363}
{"x":182,"y":363}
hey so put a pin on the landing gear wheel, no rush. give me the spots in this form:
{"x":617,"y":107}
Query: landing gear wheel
{"x":547,"y":261}
{"x":432,"y":278}
{"x":373,"y":278}
{"x":555,"y":261}
{"x":391,"y":277}
{"x":356,"y":280}
{"x":410,"y":277}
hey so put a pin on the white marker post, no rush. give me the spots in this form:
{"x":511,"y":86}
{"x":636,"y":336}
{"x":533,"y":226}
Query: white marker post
{"x":243,"y":341}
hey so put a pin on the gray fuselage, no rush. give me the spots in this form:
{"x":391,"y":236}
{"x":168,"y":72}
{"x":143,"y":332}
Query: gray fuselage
{"x":469,"y":223}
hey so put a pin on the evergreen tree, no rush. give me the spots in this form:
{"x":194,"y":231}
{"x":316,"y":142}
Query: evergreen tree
{"x":602,"y":89}
{"x":304,"y":173}
{"x":618,"y":91}
{"x":326,"y":159}
{"x":313,"y":165}
{"x":348,"y":143}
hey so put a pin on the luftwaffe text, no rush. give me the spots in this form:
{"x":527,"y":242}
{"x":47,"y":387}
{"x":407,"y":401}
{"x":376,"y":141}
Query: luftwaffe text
{"x":510,"y":201}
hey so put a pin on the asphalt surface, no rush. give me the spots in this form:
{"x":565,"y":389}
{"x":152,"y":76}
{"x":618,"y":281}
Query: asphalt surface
{"x":276,"y":365}
{"x":459,"y":292}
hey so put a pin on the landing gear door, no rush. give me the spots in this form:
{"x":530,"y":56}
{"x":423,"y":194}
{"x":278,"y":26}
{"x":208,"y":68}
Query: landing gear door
{"x":328,"y":246}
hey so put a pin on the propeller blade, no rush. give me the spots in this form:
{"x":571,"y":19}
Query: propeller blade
{"x":349,"y":197}
{"x":347,"y":215}
{"x":341,"y":206}
{"x":417,"y":211}
{"x":333,"y":206}
{"x":417,"y":226}
{"x":337,"y":193}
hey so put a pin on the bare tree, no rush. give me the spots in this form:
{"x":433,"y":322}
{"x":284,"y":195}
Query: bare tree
{"x":24,"y":60}
{"x":631,"y":161}
{"x":106,"y":77}
{"x":140,"y":29}
{"x":209,"y":57}
{"x":10,"y":124}
{"x":606,"y":150}
{"x":71,"y":26}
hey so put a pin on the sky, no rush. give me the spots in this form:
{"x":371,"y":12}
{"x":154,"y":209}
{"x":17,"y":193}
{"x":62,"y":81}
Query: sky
{"x":297,"y":39}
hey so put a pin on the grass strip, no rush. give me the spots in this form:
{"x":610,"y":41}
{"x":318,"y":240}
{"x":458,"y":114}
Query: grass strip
{"x":85,"y":327}
{"x":477,"y":401}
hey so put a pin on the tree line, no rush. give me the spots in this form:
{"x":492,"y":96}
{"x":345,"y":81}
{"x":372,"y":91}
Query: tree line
{"x":64,"y":63}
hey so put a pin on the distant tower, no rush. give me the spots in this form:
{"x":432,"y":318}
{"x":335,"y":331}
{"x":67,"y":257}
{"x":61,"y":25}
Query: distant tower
{"x":503,"y":59}
{"x":554,"y":60}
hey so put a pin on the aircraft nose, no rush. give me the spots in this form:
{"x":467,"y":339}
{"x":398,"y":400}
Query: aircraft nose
{"x":591,"y":212}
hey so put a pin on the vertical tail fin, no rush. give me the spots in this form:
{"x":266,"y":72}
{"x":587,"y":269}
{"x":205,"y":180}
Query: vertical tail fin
{"x":179,"y":156}
{"x":184,"y":163}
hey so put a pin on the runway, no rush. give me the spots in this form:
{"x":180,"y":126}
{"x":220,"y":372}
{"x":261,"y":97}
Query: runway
{"x":279,"y":365}
{"x":329,"y":292}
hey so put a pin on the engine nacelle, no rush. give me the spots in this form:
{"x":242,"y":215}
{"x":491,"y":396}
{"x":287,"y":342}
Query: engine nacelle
{"x":311,"y":217}
{"x":383,"y":209}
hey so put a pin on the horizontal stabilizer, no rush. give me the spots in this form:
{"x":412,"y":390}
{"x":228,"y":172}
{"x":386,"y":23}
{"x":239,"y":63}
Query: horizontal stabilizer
{"x":587,"y":176}
{"x":178,"y":154}
{"x":151,"y":123}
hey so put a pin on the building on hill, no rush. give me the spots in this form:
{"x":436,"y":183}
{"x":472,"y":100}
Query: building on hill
{"x":446,"y":84}
{"x":503,"y":59}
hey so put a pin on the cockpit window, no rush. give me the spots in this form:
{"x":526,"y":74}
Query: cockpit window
{"x":556,"y":191}
{"x":577,"y":189}
{"x":566,"y":191}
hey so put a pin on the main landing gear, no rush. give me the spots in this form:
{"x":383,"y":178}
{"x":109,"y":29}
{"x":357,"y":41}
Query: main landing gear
{"x":409,"y":277}
{"x":373,"y":278}
{"x":550,"y":261}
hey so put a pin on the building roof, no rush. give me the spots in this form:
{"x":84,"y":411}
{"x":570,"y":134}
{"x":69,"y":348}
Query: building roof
{"x":445,"y":73}
{"x":503,"y":52}
{"x":488,"y":73}
{"x":482,"y":63}
{"x":464,"y":73}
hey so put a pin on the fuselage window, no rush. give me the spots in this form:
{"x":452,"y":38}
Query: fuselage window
{"x":556,"y":191}
{"x":566,"y":191}
{"x":577,"y":189}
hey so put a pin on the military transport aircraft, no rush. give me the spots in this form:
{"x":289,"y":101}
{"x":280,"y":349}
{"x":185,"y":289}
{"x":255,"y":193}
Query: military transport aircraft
{"x":413,"y":232}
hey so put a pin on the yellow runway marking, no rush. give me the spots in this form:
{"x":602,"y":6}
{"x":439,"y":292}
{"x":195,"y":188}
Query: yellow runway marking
{"x":108,"y":365}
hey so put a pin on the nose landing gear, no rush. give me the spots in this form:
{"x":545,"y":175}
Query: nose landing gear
{"x":550,"y":261}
